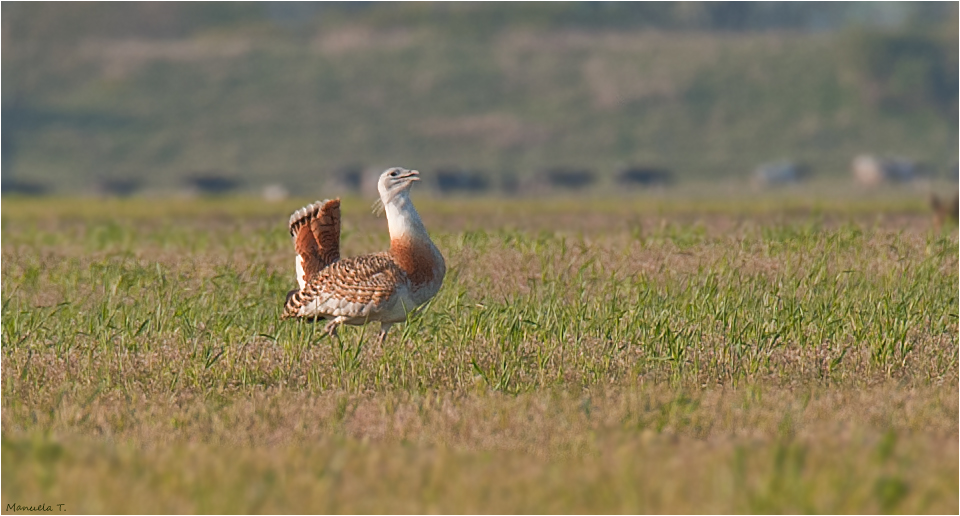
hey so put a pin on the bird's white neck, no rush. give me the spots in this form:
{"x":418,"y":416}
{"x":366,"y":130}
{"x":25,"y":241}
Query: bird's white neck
{"x":403,"y":220}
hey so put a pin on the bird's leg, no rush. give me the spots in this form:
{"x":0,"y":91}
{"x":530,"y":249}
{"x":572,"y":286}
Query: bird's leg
{"x":384,"y":328}
{"x":331,"y":327}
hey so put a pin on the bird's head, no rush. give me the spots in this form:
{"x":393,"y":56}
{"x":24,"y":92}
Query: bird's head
{"x":395,"y":181}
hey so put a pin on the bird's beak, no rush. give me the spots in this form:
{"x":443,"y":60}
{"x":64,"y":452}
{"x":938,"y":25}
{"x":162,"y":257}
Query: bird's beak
{"x":411,"y":175}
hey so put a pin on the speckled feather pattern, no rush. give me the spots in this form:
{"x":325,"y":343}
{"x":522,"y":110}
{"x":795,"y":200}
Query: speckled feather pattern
{"x":351,"y":287}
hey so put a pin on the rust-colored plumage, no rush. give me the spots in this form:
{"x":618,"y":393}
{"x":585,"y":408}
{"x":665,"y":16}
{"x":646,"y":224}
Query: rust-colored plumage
{"x":316,"y":234}
{"x":415,"y":258}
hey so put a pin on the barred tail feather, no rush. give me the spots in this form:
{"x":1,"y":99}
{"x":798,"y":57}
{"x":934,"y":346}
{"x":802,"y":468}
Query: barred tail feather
{"x":316,"y":237}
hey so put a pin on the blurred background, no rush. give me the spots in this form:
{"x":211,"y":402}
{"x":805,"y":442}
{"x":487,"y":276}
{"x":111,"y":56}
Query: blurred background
{"x":280,"y":98}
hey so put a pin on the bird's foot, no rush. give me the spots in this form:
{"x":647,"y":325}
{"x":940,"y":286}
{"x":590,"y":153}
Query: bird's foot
{"x":331,"y":328}
{"x":382,"y":336}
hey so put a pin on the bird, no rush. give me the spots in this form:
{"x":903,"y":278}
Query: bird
{"x":944,"y":210}
{"x":383,"y":287}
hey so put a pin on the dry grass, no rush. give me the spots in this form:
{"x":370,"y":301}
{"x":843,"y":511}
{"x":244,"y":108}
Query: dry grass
{"x":637,"y":449}
{"x":577,"y":360}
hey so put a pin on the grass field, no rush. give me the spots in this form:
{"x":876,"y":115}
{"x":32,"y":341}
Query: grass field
{"x":651,"y":355}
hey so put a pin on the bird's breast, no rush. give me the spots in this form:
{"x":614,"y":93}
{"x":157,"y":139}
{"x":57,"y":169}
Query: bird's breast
{"x":419,"y":259}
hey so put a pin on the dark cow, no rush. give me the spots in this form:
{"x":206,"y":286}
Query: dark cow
{"x":568,"y":178}
{"x":211,"y":183}
{"x":118,"y":187}
{"x":644,"y":177}
{"x":777,"y":173}
{"x":457,"y":180}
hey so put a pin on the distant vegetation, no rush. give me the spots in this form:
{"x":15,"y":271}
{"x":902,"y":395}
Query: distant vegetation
{"x":159,"y":94}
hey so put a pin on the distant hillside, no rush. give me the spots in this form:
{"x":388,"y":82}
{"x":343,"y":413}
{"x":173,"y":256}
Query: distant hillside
{"x":160,"y":94}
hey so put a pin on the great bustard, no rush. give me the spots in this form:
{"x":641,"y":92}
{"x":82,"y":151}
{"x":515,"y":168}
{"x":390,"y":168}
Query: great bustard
{"x":382,"y":287}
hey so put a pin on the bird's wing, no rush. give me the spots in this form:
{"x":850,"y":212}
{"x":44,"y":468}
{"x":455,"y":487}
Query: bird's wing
{"x":316,"y":237}
{"x":352,"y":287}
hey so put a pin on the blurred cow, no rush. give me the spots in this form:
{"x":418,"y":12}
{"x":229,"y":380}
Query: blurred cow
{"x":274,"y":192}
{"x":568,"y":178}
{"x":210,"y":183}
{"x":644,"y":177}
{"x":21,"y":187}
{"x":777,"y":173}
{"x":347,"y":179}
{"x":117,"y":187}
{"x":869,"y":170}
{"x":458,"y":180}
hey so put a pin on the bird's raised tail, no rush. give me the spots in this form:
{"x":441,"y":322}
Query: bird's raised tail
{"x":316,"y":237}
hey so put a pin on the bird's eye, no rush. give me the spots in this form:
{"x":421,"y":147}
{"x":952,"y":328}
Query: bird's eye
{"x":394,"y":173}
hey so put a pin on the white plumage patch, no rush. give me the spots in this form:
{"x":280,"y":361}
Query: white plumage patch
{"x":300,"y":279}
{"x":332,"y":306}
